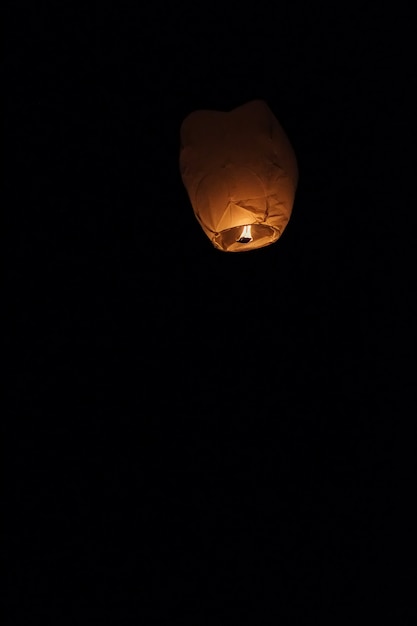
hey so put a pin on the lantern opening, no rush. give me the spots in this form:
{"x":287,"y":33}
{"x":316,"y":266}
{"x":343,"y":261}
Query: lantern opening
{"x":246,"y":236}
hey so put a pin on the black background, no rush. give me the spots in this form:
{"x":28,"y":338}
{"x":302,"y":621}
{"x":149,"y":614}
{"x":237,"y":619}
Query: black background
{"x":198,"y":436}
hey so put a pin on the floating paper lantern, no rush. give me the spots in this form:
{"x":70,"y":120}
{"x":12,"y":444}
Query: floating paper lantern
{"x":240,"y":172}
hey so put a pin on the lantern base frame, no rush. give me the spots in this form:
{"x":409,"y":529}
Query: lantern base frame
{"x":230,"y":240}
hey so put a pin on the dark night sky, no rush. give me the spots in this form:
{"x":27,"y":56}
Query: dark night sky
{"x":196,"y":434}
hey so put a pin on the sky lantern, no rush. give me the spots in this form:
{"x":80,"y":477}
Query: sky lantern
{"x":240,"y":172}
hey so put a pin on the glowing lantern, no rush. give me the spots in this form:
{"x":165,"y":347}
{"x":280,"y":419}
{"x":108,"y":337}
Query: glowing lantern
{"x":240,"y":173}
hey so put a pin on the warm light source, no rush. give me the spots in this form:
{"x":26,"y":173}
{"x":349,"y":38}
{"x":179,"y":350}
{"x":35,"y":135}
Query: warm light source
{"x":246,"y":236}
{"x":240,"y":173}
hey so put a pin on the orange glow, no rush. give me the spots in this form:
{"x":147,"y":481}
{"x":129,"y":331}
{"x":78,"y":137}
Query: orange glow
{"x":240,"y":173}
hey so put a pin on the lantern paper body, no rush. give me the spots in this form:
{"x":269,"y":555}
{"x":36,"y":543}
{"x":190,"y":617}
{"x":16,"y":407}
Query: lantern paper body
{"x":240,"y":173}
